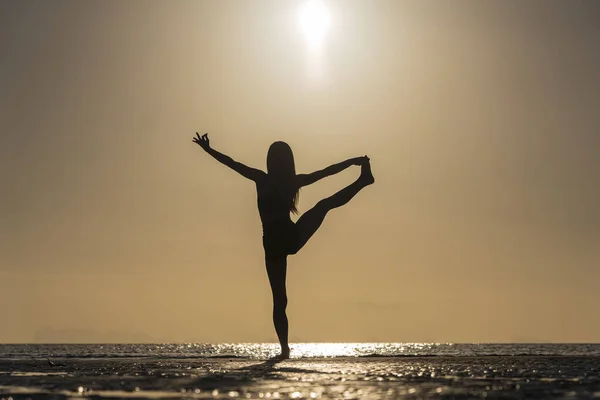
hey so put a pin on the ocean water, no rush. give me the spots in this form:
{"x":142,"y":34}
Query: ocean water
{"x":316,"y":370}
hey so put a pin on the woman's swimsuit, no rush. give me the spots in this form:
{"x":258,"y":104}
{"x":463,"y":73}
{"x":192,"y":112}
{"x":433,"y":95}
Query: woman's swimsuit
{"x":280,"y":236}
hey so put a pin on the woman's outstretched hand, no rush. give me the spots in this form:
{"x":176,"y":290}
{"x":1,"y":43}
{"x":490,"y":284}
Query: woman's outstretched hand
{"x":202,"y":141}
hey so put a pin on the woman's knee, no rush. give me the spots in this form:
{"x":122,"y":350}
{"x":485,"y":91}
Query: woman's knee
{"x":280,"y":303}
{"x":323,"y":206}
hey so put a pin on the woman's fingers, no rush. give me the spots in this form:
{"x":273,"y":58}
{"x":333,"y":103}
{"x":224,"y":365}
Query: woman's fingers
{"x":201,"y":140}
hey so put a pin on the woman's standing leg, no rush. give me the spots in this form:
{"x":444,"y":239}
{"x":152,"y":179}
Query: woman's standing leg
{"x":277,"y":269}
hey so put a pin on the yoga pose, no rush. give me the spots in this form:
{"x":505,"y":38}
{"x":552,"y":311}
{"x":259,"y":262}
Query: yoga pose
{"x":277,"y":192}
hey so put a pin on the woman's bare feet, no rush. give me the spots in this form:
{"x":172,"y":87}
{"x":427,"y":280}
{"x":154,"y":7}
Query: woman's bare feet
{"x":285,"y":354}
{"x":366,"y":175}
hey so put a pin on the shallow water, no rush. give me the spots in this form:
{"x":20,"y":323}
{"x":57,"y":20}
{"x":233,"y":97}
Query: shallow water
{"x":342,"y":371}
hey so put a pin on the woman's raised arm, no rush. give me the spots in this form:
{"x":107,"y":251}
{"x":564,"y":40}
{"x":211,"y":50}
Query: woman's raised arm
{"x":308,"y":179}
{"x":247,"y":172}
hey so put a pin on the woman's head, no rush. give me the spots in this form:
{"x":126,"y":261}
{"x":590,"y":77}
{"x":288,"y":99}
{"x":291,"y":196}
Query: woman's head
{"x":280,"y":165}
{"x":280,"y":160}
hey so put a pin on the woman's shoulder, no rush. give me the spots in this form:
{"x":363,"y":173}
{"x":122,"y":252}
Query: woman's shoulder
{"x":261,"y":176}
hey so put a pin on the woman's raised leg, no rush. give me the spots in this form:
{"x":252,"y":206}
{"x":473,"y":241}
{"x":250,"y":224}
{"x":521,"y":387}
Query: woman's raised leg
{"x":276,"y":269}
{"x":311,"y":220}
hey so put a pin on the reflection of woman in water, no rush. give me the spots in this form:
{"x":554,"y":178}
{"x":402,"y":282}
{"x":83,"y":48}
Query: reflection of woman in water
{"x":277,"y":192}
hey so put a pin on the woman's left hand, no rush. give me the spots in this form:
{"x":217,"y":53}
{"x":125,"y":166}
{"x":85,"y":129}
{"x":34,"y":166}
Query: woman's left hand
{"x":359,"y":160}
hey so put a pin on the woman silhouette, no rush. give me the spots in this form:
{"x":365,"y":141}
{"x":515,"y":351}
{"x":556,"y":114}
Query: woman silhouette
{"x":277,"y":192}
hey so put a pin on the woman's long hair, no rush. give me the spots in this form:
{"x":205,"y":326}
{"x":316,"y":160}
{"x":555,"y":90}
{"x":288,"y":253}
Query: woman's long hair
{"x":280,"y":166}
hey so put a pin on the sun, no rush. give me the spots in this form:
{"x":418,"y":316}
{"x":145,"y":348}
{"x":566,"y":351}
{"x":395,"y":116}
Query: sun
{"x":314,"y":21}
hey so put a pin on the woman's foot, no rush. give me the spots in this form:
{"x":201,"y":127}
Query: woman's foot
{"x":285,"y":354}
{"x":366,"y":175}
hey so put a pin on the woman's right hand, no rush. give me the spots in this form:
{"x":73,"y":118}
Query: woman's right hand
{"x":202,"y":141}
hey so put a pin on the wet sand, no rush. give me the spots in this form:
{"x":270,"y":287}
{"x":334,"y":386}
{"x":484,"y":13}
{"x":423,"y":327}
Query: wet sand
{"x":495,"y":377}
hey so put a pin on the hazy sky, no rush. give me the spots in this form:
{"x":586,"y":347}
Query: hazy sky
{"x":482,"y":121}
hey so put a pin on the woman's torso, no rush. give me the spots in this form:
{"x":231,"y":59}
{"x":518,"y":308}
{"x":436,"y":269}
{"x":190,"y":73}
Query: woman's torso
{"x":274,"y":202}
{"x":280,"y":236}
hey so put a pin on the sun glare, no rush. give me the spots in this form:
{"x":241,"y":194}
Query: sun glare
{"x":314,"y":20}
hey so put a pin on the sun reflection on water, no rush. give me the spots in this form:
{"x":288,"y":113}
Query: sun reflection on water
{"x":357,"y":349}
{"x":322,"y":350}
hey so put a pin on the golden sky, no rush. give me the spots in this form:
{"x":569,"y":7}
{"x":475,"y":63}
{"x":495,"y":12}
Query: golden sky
{"x":481,"y":120}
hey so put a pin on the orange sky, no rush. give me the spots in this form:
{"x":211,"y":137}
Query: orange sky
{"x":481,"y":120}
